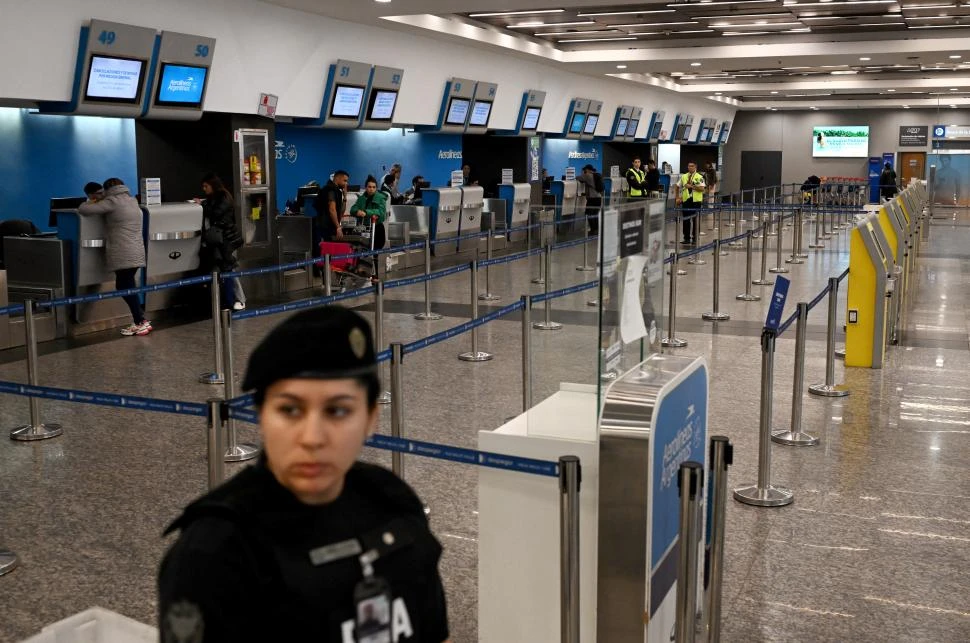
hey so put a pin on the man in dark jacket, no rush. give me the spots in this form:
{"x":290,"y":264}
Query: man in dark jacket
{"x":330,"y":205}
{"x":887,"y":182}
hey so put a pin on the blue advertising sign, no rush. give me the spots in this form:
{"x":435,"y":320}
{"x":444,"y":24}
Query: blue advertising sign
{"x":777,"y":307}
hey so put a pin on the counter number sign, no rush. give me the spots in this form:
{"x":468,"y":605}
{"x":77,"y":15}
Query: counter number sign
{"x":202,"y":51}
{"x":107,"y":38}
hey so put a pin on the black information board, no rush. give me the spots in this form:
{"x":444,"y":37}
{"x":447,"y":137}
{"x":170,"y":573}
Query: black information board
{"x":914,"y":135}
{"x":631,"y":233}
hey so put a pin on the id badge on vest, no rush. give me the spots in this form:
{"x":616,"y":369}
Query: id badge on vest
{"x":372,"y":605}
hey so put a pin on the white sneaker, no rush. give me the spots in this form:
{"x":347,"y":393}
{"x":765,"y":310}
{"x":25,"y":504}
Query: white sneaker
{"x":239,"y":306}
{"x":137,"y":329}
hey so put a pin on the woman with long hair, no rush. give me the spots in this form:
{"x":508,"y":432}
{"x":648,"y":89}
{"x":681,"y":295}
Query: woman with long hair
{"x":221,"y":238}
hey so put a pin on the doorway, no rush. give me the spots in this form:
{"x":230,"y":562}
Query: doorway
{"x":760,"y":170}
{"x":912,"y":165}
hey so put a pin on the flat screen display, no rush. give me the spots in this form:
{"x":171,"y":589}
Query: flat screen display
{"x":591,"y":122}
{"x":621,"y":126}
{"x":632,"y":129}
{"x":181,"y":86}
{"x":531,"y":119}
{"x":655,"y":134}
{"x":576,"y":125}
{"x":840,"y":141}
{"x":114,"y":80}
{"x":705,"y":134}
{"x":347,"y":101}
{"x":457,"y":111}
{"x":382,"y":104}
{"x":686,"y":134}
{"x":481,"y":109}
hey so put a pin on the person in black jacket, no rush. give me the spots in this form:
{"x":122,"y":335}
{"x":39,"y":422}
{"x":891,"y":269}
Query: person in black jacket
{"x":221,"y":238}
{"x":887,"y":182}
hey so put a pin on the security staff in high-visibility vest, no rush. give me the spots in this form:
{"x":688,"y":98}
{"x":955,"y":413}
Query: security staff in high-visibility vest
{"x":636,"y":178}
{"x":690,"y":197}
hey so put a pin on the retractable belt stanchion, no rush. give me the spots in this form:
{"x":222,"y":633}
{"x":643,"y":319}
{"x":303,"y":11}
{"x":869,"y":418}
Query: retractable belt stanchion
{"x":830,"y":388}
{"x":541,"y":279}
{"x":678,"y":224}
{"x":327,"y":276}
{"x":427,"y":315}
{"x":385,"y":396}
{"x":475,"y":355}
{"x":570,"y":480}
{"x":36,"y":429}
{"x":235,"y":451}
{"x":780,"y":230}
{"x":586,"y":267}
{"x":671,"y":340}
{"x":764,"y":494}
{"x":763,"y":279}
{"x":715,"y":314}
{"x":690,"y":483}
{"x":8,"y":561}
{"x":397,"y":405}
{"x":696,"y":259}
{"x":794,"y":436}
{"x":215,"y":440}
{"x":796,"y":240}
{"x":722,"y":456}
{"x":747,"y":295}
{"x":547,"y":323}
{"x":216,"y":376}
{"x":818,"y":245}
{"x":526,"y":353}
{"x":487,"y":295}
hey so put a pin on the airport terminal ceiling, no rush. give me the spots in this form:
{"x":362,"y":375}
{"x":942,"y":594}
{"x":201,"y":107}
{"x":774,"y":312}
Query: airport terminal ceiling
{"x":757,"y":54}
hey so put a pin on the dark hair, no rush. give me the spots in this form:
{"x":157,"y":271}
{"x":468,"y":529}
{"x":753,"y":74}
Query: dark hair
{"x":218,"y":187}
{"x":92,"y":187}
{"x":341,"y":173}
{"x":370,"y":179}
{"x":651,"y":162}
{"x":417,"y":179}
{"x":370,"y":382}
{"x":637,"y":158}
{"x":112,"y":182}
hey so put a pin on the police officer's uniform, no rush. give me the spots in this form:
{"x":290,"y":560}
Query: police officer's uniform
{"x":692,"y":189}
{"x":635,"y":179}
{"x":254,"y":563}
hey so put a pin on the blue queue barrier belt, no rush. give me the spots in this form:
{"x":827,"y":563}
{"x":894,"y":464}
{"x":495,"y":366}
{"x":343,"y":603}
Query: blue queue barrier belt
{"x":12,"y":309}
{"x":134,"y":402}
{"x":697,"y":251}
{"x":81,"y":299}
{"x":563,"y":292}
{"x":510,"y":258}
{"x":304,"y":303}
{"x":319,"y":261}
{"x":670,"y":259}
{"x":242,"y":402}
{"x":252,"y":417}
{"x":845,"y":273}
{"x":819,"y":297}
{"x":383,"y":356}
{"x":465,"y":237}
{"x":460,"y":329}
{"x":788,"y":322}
{"x":571,"y":244}
{"x":736,"y":237}
{"x":420,"y":279}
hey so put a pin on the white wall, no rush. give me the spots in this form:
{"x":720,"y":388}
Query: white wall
{"x":266,"y":48}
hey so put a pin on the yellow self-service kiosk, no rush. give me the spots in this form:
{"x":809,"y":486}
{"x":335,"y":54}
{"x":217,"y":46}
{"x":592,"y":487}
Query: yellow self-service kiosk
{"x":867,"y":298}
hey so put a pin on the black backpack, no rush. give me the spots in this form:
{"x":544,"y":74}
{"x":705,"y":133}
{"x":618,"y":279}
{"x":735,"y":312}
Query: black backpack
{"x":598,"y":182}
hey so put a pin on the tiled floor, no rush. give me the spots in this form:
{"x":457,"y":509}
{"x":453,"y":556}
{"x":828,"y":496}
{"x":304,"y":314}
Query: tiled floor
{"x":875,"y":547}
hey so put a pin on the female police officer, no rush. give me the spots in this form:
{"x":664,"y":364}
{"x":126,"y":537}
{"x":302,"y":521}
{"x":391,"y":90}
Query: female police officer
{"x":308,"y":544}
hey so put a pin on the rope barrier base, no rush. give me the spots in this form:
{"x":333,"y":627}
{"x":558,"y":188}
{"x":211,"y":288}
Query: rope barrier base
{"x":428,"y":316}
{"x":823,"y":390}
{"x":477,"y":356}
{"x":794,"y":438}
{"x":715,"y":316}
{"x":8,"y":561}
{"x":770,"y":496}
{"x":547,"y":325}
{"x":33,"y":432}
{"x":778,"y":270}
{"x":748,"y":297}
{"x":241,"y":452}
{"x":211,"y":378}
{"x":384,"y":398}
{"x":673,"y":342}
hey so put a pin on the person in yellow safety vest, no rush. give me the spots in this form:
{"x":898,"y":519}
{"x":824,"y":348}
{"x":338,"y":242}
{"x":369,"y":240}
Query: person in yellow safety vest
{"x":690,"y":197}
{"x":636,"y":178}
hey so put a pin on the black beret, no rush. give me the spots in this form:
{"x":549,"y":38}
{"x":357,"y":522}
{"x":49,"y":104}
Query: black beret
{"x":322,"y":343}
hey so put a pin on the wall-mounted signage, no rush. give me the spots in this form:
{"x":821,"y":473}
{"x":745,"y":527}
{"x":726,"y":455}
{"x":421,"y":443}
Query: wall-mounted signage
{"x":951,"y":132}
{"x":656,"y":131}
{"x":181,"y":78}
{"x":267,"y":105}
{"x":480,"y":109}
{"x":914,"y":135}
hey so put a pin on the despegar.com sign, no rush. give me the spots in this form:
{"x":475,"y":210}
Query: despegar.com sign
{"x":914,"y":135}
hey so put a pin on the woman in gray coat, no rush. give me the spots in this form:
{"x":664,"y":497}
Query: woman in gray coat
{"x":124,"y":246}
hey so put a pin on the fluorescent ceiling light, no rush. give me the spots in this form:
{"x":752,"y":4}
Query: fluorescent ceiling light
{"x":955,"y":57}
{"x":723,"y":2}
{"x":623,"y":13}
{"x":596,"y":39}
{"x":865,"y":58}
{"x":756,"y":25}
{"x":718,"y":93}
{"x":844,"y":72}
{"x":743,"y":15}
{"x":744,"y":33}
{"x":890,"y":90}
{"x":825,"y":5}
{"x":695,"y":64}
{"x":653,"y":24}
{"x":905,"y":106}
{"x":879,"y":24}
{"x":941,"y":27}
{"x":495,"y":14}
{"x":773,"y":92}
{"x":578,"y":32}
{"x":621,"y":66}
{"x":524,"y":25}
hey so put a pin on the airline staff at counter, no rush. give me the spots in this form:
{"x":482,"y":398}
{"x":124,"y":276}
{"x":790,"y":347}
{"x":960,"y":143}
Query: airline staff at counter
{"x":330,"y":204}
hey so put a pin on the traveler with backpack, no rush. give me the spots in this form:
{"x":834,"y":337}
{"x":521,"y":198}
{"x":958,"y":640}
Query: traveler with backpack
{"x":593,"y":181}
{"x":221,"y":238}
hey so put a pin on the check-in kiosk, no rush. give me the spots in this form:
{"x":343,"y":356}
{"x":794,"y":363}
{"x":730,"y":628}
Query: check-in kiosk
{"x":174,"y":239}
{"x":517,"y":198}
{"x":656,"y":126}
{"x":180,"y":77}
{"x":408,"y":224}
{"x":472,"y":203}
{"x":494,"y":222}
{"x":895,"y":278}
{"x":444,"y":218}
{"x":565,"y":194}
{"x":613,"y":189}
{"x":592,"y":120}
{"x":867,"y":298}
{"x":576,"y":119}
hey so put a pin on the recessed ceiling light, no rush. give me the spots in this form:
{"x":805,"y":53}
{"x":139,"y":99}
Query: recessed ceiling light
{"x":955,"y":57}
{"x":865,"y":58}
{"x":525,"y":25}
{"x":506,"y":13}
{"x":890,"y":90}
{"x":718,"y":93}
{"x":774,"y":92}
{"x":621,"y":66}
{"x":382,"y":1}
{"x":676,"y":73}
{"x":844,"y":72}
{"x":953,"y":106}
{"x":813,"y":107}
{"x":695,"y":64}
{"x":595,"y":39}
{"x":905,"y":106}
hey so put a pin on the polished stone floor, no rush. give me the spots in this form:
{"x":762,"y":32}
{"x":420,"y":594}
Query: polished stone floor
{"x":876,"y":546}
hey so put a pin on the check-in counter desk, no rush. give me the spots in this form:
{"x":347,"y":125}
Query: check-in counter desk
{"x":444,"y":218}
{"x":565,"y":194}
{"x":868,"y":297}
{"x":517,"y":198}
{"x":472,"y":204}
{"x":408,"y":224}
{"x":37,"y":268}
{"x":494,"y":222}
{"x":174,"y":239}
{"x":294,"y":239}
{"x":612,"y":190}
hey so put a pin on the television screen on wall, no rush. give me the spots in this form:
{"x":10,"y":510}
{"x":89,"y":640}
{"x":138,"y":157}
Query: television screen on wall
{"x":481,"y":110}
{"x":181,"y":86}
{"x":112,"y":79}
{"x":531,"y":119}
{"x":347,"y":101}
{"x":657,"y":127}
{"x":457,"y":111}
{"x":382,"y":103}
{"x":591,"y":122}
{"x":576,"y":125}
{"x":621,"y":126}
{"x":632,"y":129}
{"x":840,"y":141}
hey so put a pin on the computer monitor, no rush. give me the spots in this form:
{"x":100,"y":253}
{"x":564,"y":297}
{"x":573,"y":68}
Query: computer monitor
{"x":382,"y":104}
{"x":631,"y":130}
{"x":347,"y":101}
{"x":114,"y":79}
{"x":576,"y":125}
{"x":531,"y":119}
{"x":591,"y":122}
{"x":481,"y":110}
{"x":457,"y":112}
{"x":621,"y":126}
{"x":181,"y":86}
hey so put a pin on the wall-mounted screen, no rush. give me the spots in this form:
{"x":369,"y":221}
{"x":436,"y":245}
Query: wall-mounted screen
{"x":591,"y":122}
{"x":382,"y":104}
{"x":631,"y":130}
{"x":705,"y":135}
{"x":457,"y":111}
{"x":681,"y":132}
{"x":181,"y":86}
{"x":657,"y":127}
{"x":481,"y":109}
{"x":686,"y":134}
{"x":621,"y":126}
{"x":576,"y":125}
{"x":840,"y":141}
{"x":531,"y":119}
{"x":114,"y":80}
{"x":347,"y":101}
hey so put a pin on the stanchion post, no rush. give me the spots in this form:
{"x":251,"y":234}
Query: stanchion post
{"x":8,"y":561}
{"x":327,"y":275}
{"x":796,"y":241}
{"x":747,"y":295}
{"x":671,"y":340}
{"x":763,"y":493}
{"x":397,"y":405}
{"x":690,"y":484}
{"x":526,"y":353}
{"x":541,"y":279}
{"x":235,"y":451}
{"x":818,"y":231}
{"x":218,"y":411}
{"x":722,"y":456}
{"x":678,"y":224}
{"x":794,"y":436}
{"x":763,"y":280}
{"x":215,"y":377}
{"x":830,"y":388}
{"x":385,"y":395}
{"x":427,"y":315}
{"x":586,"y":267}
{"x":547,"y":323}
{"x":696,"y":259}
{"x":487,"y":295}
{"x":36,"y":429}
{"x":779,"y":264}
{"x":715,"y":314}
{"x":475,"y":355}
{"x":570,"y":480}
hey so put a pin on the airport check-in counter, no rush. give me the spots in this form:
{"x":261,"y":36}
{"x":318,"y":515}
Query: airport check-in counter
{"x":444,"y":218}
{"x":37,"y":268}
{"x":408,"y":224}
{"x":895,"y":236}
{"x":294,"y":238}
{"x":472,"y":204}
{"x":580,"y":198}
{"x":517,"y":198}
{"x":494,"y":217}
{"x":894,"y":290}
{"x":868,"y":297}
{"x":612,"y":190}
{"x":174,"y":239}
{"x":565,"y":193}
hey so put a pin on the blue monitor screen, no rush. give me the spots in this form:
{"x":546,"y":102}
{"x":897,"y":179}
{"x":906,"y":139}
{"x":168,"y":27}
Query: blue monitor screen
{"x":621,"y":127}
{"x":181,"y":86}
{"x":632,"y":129}
{"x":531,"y":119}
{"x":576,"y":126}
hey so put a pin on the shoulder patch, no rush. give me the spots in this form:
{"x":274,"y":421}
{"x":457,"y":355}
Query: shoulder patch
{"x":182,"y":623}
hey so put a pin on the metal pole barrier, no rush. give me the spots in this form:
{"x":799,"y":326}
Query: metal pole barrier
{"x":397,"y":405}
{"x":671,"y":339}
{"x":696,"y":259}
{"x":526,"y":353}
{"x":215,"y":377}
{"x":487,"y":295}
{"x":385,"y":396}
{"x":36,"y":429}
{"x":547,"y":323}
{"x":826,"y":229}
{"x":427,"y":315}
{"x":715,"y":315}
{"x":678,"y":224}
{"x":779,"y":264}
{"x":747,"y":295}
{"x":690,"y":482}
{"x":722,"y":456}
{"x":8,"y":561}
{"x":830,"y":388}
{"x":796,"y":240}
{"x":215,"y":444}
{"x":586,"y":267}
{"x":475,"y":355}
{"x":327,"y":276}
{"x":794,"y":436}
{"x":235,"y":452}
{"x":570,"y":479}
{"x":762,"y":280}
{"x":541,"y":279}
{"x":764,"y":494}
